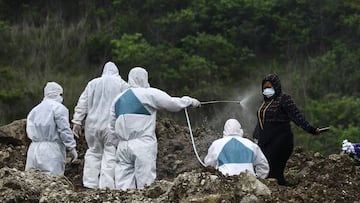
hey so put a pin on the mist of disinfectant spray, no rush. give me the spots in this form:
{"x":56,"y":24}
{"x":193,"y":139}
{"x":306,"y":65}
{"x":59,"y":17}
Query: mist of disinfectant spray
{"x":243,"y":108}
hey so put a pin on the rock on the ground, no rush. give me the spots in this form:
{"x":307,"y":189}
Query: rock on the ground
{"x":14,"y":133}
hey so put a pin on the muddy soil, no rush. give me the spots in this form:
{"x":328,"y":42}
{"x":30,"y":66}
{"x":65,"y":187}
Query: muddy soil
{"x":313,"y":177}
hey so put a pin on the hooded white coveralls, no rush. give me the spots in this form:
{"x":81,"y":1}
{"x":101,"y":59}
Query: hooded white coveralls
{"x":233,"y":154}
{"x":134,"y":121}
{"x":94,"y":103}
{"x":48,"y":128}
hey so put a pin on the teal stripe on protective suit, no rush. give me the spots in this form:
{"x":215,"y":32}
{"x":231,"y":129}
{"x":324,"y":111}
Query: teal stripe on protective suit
{"x":128,"y":103}
{"x":234,"y":152}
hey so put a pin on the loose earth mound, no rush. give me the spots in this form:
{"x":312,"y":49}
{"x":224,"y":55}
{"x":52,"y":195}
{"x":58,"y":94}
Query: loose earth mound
{"x":181,"y":178}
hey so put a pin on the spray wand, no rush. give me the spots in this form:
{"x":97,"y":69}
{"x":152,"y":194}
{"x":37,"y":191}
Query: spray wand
{"x":222,"y":101}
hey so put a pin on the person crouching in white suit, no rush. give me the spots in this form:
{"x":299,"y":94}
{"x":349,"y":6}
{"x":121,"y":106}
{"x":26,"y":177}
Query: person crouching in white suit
{"x":234,"y":154}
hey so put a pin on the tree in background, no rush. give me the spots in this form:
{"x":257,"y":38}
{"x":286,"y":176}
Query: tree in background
{"x":342,"y":114}
{"x":206,"y":48}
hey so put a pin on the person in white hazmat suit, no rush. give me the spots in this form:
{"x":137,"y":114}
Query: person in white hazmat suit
{"x":233,"y":154}
{"x":133,"y":121}
{"x":94,"y":103}
{"x":49,"y":130}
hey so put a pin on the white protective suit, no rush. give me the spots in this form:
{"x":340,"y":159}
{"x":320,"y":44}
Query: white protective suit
{"x":233,"y":154}
{"x":133,"y":121}
{"x":48,"y":128}
{"x":94,"y":103}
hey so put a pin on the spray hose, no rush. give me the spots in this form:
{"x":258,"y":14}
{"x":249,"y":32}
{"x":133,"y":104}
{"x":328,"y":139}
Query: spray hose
{"x":192,"y":138}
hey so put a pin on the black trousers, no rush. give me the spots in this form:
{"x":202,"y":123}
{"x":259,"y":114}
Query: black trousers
{"x":277,"y":144}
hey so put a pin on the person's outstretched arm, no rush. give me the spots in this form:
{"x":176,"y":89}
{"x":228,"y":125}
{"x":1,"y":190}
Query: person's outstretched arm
{"x":289,"y":106}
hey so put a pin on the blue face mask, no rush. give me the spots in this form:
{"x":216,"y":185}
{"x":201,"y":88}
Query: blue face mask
{"x":268,"y":92}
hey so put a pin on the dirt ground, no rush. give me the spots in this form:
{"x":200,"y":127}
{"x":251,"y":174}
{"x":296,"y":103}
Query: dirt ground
{"x":314,"y":178}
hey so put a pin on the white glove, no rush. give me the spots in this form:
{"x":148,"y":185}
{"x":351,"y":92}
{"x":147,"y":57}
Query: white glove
{"x":195,"y":103}
{"x":73,"y":154}
{"x":348,"y":147}
{"x":112,"y":140}
{"x":76,"y":130}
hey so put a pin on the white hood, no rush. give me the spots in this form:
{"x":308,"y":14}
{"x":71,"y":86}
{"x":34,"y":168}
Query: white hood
{"x":110,"y":69}
{"x":52,"y":90}
{"x":138,"y":77}
{"x":233,"y":127}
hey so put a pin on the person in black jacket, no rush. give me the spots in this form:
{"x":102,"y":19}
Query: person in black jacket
{"x":273,"y":131}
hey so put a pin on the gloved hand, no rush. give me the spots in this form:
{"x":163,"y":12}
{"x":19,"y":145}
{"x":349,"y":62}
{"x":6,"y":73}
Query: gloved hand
{"x":348,"y":147}
{"x":195,"y":103}
{"x":76,"y":130}
{"x":73,"y":154}
{"x":111,"y":139}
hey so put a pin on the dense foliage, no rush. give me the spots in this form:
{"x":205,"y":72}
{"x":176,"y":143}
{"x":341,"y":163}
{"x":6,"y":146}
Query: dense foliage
{"x":207,"y":49}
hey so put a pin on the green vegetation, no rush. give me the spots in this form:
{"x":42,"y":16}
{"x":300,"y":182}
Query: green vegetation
{"x":207,"y":49}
